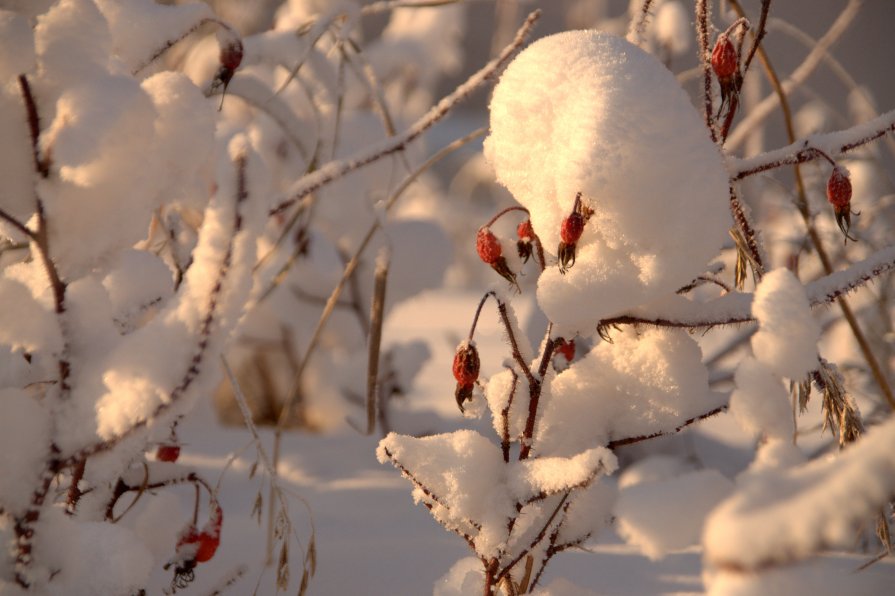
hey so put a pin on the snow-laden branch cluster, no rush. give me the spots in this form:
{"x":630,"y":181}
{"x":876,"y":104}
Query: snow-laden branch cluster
{"x":139,"y":177}
{"x":629,"y":200}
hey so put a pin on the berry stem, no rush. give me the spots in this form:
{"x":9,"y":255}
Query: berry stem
{"x":504,"y":212}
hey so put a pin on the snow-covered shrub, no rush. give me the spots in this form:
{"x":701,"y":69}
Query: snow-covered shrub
{"x":631,"y":215}
{"x":164,"y":182}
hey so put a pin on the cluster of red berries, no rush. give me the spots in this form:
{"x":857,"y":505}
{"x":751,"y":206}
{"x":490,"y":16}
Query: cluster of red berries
{"x":491,"y":252}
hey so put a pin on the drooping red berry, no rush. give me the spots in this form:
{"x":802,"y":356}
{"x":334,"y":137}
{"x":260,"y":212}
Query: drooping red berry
{"x":724,"y":58}
{"x":524,"y":230}
{"x":466,"y":371}
{"x":210,"y":537}
{"x":839,"y":189}
{"x":231,"y":54}
{"x":168,"y":453}
{"x":490,"y":251}
{"x":488,"y":246}
{"x":572,"y":228}
{"x":839,"y":195}
{"x":466,"y":364}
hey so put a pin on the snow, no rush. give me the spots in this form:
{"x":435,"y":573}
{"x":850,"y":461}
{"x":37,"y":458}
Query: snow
{"x":668,"y":515}
{"x":156,"y":206}
{"x":784,"y":516}
{"x":760,"y":402}
{"x":25,"y":421}
{"x":587,"y":112}
{"x":787,"y":333}
{"x":139,"y":28}
{"x":94,"y":557}
{"x":645,"y":382}
{"x":673,"y":27}
{"x":16,"y":191}
{"x":72,"y":43}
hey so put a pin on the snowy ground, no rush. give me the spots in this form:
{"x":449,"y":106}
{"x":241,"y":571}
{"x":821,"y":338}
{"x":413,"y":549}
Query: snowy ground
{"x":371,"y":538}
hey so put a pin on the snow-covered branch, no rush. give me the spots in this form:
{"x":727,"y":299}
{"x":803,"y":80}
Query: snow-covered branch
{"x":814,"y":147}
{"x":336,"y":169}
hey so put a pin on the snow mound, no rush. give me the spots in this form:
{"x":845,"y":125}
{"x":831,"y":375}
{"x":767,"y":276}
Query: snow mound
{"x":787,"y":334}
{"x":584,"y":111}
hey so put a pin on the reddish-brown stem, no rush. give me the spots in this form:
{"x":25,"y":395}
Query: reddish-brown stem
{"x":702,"y":36}
{"x":505,"y":419}
{"x":172,"y":42}
{"x":537,"y":539}
{"x":504,"y":212}
{"x":615,"y":444}
{"x":41,"y":165}
{"x":74,"y":491}
{"x":759,"y":33}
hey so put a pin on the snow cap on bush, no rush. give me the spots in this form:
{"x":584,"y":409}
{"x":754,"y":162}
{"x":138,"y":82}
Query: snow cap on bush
{"x":787,"y":333}
{"x":584,"y":111}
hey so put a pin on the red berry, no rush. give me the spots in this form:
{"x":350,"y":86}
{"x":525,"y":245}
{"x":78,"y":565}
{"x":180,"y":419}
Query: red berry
{"x":168,"y":453}
{"x":231,"y":55}
{"x":572,"y":228}
{"x":466,"y":364}
{"x":724,"y":58}
{"x":525,"y":231}
{"x":488,"y":246}
{"x":566,"y":348}
{"x":839,"y":189}
{"x":208,"y":545}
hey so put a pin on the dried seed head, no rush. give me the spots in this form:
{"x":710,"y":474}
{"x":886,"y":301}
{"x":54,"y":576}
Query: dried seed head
{"x":839,"y":189}
{"x":488,"y":246}
{"x":724,"y":58}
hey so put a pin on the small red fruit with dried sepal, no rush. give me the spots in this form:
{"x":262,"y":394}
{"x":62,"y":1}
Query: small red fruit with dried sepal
{"x":839,"y":193}
{"x":490,"y":251}
{"x":230,"y":59}
{"x":466,"y":371}
{"x":726,"y":66}
{"x":526,"y":236}
{"x":570,"y":232}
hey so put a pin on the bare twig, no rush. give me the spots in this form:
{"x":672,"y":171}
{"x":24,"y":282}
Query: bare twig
{"x":377,"y":309}
{"x":336,"y":169}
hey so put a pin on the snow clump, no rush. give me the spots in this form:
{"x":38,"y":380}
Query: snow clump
{"x":587,"y":112}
